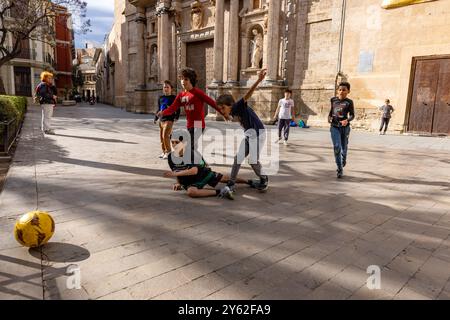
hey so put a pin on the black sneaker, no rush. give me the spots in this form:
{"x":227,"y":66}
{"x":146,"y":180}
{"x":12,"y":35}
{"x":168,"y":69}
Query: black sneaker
{"x":344,"y":162}
{"x":263,"y":184}
{"x":253,"y":183}
{"x":339,"y":173}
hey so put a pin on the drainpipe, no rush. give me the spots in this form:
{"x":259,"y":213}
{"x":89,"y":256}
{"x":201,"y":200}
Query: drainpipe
{"x":341,"y":43}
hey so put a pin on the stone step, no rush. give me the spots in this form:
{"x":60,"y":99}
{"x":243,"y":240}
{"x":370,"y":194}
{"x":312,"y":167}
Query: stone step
{"x":5,"y":159}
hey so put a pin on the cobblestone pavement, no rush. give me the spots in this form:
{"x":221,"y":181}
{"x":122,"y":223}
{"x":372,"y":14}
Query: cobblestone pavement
{"x":310,"y":236}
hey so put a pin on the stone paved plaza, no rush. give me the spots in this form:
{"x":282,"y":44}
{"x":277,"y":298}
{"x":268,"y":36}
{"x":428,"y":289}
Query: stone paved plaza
{"x":310,"y":236}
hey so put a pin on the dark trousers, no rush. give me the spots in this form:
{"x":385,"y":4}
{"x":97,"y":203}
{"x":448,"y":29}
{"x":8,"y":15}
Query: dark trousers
{"x":195,"y":135}
{"x":284,"y":125}
{"x":339,"y":136}
{"x":384,"y":123}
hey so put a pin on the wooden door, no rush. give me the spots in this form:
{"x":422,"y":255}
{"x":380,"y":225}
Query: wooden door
{"x":199,"y":56}
{"x":430,"y":101}
{"x":22,"y":81}
{"x":424,"y":96}
{"x":441,"y":119}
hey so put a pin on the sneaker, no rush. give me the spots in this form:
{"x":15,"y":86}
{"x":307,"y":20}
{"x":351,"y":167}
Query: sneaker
{"x":165,"y":156}
{"x":226,"y":192}
{"x":344,"y":162}
{"x":339,"y":173}
{"x":380,"y":133}
{"x":263,"y":184}
{"x":162,"y":155}
{"x":280,"y":140}
{"x":253,"y":183}
{"x":50,"y":132}
{"x":285,"y":142}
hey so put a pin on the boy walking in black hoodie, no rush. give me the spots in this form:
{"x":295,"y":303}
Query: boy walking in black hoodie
{"x":341,"y":113}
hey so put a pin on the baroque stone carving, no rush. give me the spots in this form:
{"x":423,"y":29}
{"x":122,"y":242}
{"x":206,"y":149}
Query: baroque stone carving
{"x":196,"y":15}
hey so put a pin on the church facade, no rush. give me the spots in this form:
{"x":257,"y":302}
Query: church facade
{"x":387,"y":49}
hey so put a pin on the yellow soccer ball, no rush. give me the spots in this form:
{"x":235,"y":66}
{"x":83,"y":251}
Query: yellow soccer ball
{"x":34,"y":229}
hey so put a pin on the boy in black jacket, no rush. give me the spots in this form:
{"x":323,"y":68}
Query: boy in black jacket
{"x":341,"y":113}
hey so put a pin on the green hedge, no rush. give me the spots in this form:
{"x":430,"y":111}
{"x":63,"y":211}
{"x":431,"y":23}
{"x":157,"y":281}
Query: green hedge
{"x":12,"y":107}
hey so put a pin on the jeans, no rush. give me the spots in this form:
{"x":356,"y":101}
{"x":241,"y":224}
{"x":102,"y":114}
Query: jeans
{"x":47,"y":113}
{"x":339,"y":136}
{"x":384,"y":123}
{"x":284,"y":125}
{"x":165,"y":129}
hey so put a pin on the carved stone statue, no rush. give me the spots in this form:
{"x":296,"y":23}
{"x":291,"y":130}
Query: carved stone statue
{"x":154,"y":63}
{"x":177,"y":19}
{"x":196,"y":15}
{"x":213,"y":7}
{"x":257,"y":49}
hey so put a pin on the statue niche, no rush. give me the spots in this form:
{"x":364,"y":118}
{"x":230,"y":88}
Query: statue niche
{"x":154,"y":63}
{"x":256,"y":48}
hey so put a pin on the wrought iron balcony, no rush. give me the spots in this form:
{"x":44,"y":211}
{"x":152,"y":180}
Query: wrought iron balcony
{"x":29,"y":54}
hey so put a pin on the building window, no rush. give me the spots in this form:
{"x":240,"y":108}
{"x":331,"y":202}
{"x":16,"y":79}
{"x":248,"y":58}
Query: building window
{"x":256,"y":4}
{"x":153,"y":29}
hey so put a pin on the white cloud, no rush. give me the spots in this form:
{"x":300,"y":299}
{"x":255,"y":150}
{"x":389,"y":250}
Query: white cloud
{"x":101,"y":15}
{"x":101,"y":5}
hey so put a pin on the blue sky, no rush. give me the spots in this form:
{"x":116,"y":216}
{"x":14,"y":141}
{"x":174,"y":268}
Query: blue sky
{"x":101,"y":14}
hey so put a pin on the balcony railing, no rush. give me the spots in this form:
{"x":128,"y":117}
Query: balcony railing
{"x":26,"y":53}
{"x":29,"y":54}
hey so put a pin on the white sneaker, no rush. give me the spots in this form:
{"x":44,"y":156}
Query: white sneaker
{"x":161,"y":155}
{"x":380,"y":133}
{"x":280,"y":140}
{"x":285,"y":142}
{"x":165,"y":156}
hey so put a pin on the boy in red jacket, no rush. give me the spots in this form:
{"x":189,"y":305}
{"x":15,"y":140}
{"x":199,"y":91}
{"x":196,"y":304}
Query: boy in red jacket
{"x":192,"y":99}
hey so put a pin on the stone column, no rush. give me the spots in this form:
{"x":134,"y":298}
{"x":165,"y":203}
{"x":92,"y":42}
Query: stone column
{"x":233,"y":40}
{"x":140,"y":101}
{"x":140,"y":46}
{"x":165,"y":38}
{"x":273,"y":40}
{"x":218,"y":43}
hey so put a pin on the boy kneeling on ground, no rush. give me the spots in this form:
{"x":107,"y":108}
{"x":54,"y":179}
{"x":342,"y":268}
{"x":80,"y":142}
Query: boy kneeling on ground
{"x":193,"y":177}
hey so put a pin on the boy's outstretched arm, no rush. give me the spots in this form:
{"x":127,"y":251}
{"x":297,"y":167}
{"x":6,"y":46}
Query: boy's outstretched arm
{"x":206,"y":99}
{"x":188,"y":172}
{"x":261,"y":76}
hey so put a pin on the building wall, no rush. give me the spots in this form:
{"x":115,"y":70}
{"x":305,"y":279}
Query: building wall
{"x":115,"y":88}
{"x":319,"y":43}
{"x":377,"y":52}
{"x":392,"y":37}
{"x":64,"y":58}
{"x":37,"y":63}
